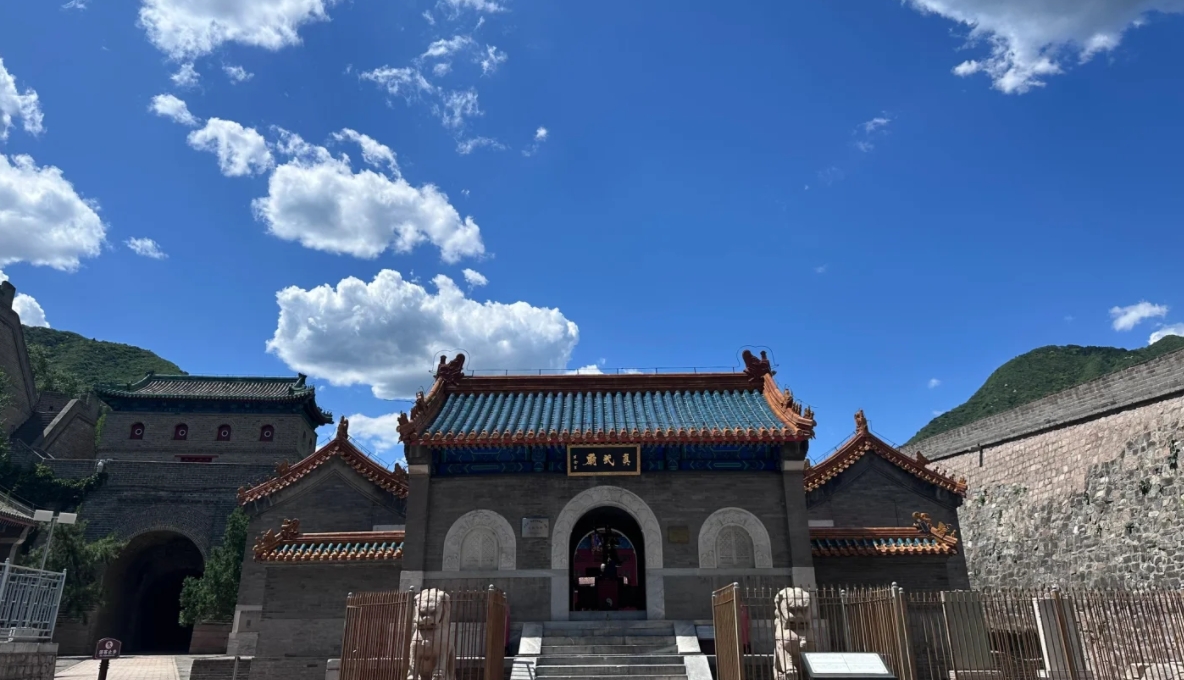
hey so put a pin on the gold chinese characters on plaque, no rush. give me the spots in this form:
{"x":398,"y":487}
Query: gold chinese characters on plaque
{"x":590,"y":461}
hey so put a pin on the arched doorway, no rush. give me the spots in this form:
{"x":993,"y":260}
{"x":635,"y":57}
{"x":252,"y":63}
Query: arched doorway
{"x":607,"y":562}
{"x":143,"y":593}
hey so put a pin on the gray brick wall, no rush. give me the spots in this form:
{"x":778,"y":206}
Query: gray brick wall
{"x":876,"y":493}
{"x":911,"y":573}
{"x":294,"y":437}
{"x":676,"y":498}
{"x":1070,"y":489}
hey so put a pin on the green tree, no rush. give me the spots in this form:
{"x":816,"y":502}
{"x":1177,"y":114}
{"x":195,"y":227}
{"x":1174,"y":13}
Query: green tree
{"x":51,"y":378}
{"x":84,"y":562}
{"x":212,"y":596}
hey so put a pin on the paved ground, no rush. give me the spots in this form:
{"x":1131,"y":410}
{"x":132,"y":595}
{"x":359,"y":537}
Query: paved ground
{"x":127,"y":668}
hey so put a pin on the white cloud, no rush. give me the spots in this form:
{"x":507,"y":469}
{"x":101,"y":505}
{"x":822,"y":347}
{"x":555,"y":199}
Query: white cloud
{"x":820,"y":269}
{"x":388,"y":333}
{"x":374,"y":152}
{"x":540,"y":136}
{"x":405,"y":82}
{"x":237,"y":74}
{"x":875,"y":124}
{"x":442,"y":68}
{"x":173,"y":108}
{"x":319,"y":201}
{"x":16,"y":104}
{"x":146,"y":247}
{"x":380,"y":434}
{"x":27,"y":308}
{"x":466,"y":146}
{"x":427,"y":16}
{"x":590,"y":369}
{"x":1174,"y":329}
{"x":75,"y":4}
{"x":186,"y":29}
{"x":241,"y":150}
{"x":1032,"y":39}
{"x":442,"y":49}
{"x":474,"y":278}
{"x":934,"y":382}
{"x":457,"y":106}
{"x":186,"y":75}
{"x":479,"y":5}
{"x":1126,"y":318}
{"x":492,"y":59}
{"x":43,"y":220}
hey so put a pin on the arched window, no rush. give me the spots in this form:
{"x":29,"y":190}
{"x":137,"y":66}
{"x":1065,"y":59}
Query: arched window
{"x":267,"y":433}
{"x":479,"y":550}
{"x":223,"y":433}
{"x":733,"y":548}
{"x":137,"y":431}
{"x":181,"y":431}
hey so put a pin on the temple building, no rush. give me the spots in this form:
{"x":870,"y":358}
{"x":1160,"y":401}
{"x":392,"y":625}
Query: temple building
{"x":586,"y":497}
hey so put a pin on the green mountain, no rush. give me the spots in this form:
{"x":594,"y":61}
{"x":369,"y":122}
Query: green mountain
{"x":67,"y":362}
{"x":1042,"y":372}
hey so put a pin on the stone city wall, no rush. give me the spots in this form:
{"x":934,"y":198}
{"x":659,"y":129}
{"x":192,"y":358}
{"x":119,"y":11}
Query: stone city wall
{"x":1078,"y":488}
{"x":294,"y":437}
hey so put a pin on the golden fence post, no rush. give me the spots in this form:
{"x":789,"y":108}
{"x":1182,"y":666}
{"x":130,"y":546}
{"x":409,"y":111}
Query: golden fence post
{"x":725,"y":617}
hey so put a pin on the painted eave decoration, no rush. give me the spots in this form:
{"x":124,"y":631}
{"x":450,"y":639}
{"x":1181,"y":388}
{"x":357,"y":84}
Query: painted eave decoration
{"x":925,"y":537}
{"x":394,"y":481}
{"x":220,"y":388}
{"x":864,"y":442}
{"x":739,"y":407}
{"x":291,"y":546}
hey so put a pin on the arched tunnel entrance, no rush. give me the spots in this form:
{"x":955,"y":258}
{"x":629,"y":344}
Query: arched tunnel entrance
{"x":143,"y":594}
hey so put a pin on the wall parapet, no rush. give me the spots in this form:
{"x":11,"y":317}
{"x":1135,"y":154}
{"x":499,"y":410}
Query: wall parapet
{"x":1148,"y":382}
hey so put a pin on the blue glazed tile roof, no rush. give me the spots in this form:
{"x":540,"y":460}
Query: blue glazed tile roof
{"x":586,"y":416}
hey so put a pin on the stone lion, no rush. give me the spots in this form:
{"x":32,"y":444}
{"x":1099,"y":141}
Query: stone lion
{"x":431,"y":654}
{"x":792,"y":615}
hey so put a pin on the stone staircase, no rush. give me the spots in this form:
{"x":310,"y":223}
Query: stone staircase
{"x":618,"y":650}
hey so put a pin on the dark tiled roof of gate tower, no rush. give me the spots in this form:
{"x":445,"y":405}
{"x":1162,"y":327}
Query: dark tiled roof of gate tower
{"x":571,"y":409}
{"x":219,"y":388}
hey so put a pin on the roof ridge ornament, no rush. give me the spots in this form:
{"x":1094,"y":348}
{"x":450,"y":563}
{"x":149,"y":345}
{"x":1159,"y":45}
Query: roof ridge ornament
{"x":451,"y":372}
{"x":343,"y":428}
{"x":756,"y":369}
{"x":860,"y":421}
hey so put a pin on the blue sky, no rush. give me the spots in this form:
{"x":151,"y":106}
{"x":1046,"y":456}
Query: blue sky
{"x":894,"y":198}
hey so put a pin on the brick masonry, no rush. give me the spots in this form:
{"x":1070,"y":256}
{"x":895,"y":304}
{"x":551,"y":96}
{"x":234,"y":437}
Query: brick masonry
{"x":1077,"y":488}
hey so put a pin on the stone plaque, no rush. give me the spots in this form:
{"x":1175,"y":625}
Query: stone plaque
{"x":536,"y":527}
{"x":603,"y":460}
{"x":678,"y":534}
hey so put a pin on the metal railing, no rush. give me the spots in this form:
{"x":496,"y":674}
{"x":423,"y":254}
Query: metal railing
{"x":29,"y":600}
{"x":1035,"y":634}
{"x":379,"y":629}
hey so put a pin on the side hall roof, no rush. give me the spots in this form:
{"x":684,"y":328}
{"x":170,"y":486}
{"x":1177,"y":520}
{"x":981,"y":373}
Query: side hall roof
{"x":289,"y":545}
{"x":864,"y":442}
{"x":394,"y":481}
{"x":924,"y":537}
{"x":464,"y":410}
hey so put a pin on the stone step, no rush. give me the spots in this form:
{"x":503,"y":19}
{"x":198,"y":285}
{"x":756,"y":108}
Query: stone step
{"x":610,"y":659}
{"x":629,"y":626}
{"x":548,"y":671}
{"x":584,"y":650}
{"x":617,"y":639}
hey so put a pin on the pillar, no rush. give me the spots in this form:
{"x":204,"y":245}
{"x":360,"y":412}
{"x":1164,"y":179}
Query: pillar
{"x":415,"y":540}
{"x":801,"y":557}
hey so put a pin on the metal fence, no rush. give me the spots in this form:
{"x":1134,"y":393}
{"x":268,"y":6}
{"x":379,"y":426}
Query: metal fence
{"x":380,"y":643}
{"x":29,"y":600}
{"x":951,"y":635}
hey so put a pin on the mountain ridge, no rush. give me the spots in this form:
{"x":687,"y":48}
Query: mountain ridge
{"x":1039,"y":373}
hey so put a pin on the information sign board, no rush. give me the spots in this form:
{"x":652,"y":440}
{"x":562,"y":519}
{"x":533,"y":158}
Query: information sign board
{"x":844,"y":665}
{"x":108,"y":648}
{"x":588,"y":461}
